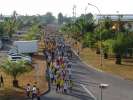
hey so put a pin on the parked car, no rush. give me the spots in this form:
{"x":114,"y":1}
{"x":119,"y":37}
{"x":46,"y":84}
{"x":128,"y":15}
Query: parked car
{"x":5,"y":38}
{"x":17,"y":57}
{"x":12,"y":52}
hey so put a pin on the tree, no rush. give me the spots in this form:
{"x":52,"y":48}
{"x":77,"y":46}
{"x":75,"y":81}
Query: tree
{"x":15,"y":69}
{"x":103,"y":32}
{"x":119,"y":47}
{"x":1,"y":29}
{"x":105,"y":29}
{"x":107,"y":24}
{"x":67,"y":19}
{"x":121,"y":27}
{"x":86,"y":23}
{"x":106,"y":34}
{"x":11,"y":24}
{"x":81,"y":26}
{"x":121,"y":44}
{"x":49,"y":18}
{"x":60,"y":18}
{"x":88,"y":39}
{"x":33,"y":32}
{"x":107,"y":47}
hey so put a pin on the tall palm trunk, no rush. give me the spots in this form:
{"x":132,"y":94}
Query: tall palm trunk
{"x":118,"y":58}
{"x":105,"y":55}
{"x":15,"y":82}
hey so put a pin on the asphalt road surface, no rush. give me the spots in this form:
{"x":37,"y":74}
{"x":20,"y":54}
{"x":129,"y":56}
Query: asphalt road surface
{"x":119,"y":89}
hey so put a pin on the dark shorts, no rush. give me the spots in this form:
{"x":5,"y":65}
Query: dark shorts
{"x":58,"y":86}
{"x":28,"y":93}
{"x":34,"y":95}
{"x":38,"y":98}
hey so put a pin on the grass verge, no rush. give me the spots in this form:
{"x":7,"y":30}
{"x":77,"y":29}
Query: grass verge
{"x":124,"y":70}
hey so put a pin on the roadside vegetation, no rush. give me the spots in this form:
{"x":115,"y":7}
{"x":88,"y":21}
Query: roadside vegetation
{"x":17,"y":75}
{"x":15,"y":69}
{"x":111,"y":39}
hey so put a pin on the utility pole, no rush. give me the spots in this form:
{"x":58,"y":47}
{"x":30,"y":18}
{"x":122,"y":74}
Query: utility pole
{"x":74,"y":13}
{"x":74,"y":20}
{"x":101,"y":50}
{"x":85,"y":13}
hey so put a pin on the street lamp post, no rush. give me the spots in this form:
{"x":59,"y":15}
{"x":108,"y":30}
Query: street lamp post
{"x":103,"y":86}
{"x":85,"y":14}
{"x":101,"y":52}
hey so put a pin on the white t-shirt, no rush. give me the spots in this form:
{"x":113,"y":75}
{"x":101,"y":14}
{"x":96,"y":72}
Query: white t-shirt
{"x":51,"y":75}
{"x":34,"y":90}
{"x":69,"y":71}
{"x":49,"y":58}
{"x":65,"y":85}
{"x":57,"y":66}
{"x":28,"y":88}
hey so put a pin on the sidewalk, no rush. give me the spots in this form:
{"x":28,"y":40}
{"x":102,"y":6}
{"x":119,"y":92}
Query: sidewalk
{"x":39,"y":73}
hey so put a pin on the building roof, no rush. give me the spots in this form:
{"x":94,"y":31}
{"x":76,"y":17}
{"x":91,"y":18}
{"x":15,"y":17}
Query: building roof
{"x":115,"y":17}
{"x":1,"y":20}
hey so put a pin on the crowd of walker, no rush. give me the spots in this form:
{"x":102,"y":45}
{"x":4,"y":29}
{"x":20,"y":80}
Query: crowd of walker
{"x":58,"y":68}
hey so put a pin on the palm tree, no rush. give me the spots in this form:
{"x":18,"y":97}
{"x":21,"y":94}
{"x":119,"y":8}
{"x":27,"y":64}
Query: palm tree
{"x":33,"y":33}
{"x":60,"y":18}
{"x":121,"y":44}
{"x":15,"y":69}
{"x":11,"y":24}
{"x":1,"y":29}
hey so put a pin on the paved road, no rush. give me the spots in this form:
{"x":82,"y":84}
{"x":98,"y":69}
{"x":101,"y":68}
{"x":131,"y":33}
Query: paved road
{"x":119,"y":89}
{"x":77,"y":93}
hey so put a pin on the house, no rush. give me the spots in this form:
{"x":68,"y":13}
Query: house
{"x":127,"y":19}
{"x":1,"y":18}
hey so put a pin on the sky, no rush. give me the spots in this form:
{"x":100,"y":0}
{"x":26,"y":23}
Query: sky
{"x":34,"y":7}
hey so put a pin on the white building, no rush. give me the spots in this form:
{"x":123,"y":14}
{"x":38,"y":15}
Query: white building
{"x":126,"y":18}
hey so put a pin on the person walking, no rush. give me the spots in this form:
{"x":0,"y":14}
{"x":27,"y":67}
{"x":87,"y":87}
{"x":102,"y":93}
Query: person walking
{"x":62,"y":85}
{"x":58,"y":84}
{"x":65,"y":87}
{"x":34,"y":92}
{"x":69,"y":70}
{"x":28,"y":90}
{"x":1,"y":81}
{"x":51,"y":77}
{"x":0,"y":84}
{"x":70,"y":85}
{"x":38,"y":94}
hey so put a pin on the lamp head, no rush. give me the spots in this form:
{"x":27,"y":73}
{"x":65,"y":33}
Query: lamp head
{"x":89,"y":4}
{"x":103,"y":86}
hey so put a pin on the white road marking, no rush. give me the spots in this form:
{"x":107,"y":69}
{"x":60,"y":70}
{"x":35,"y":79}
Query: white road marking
{"x":89,"y":92}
